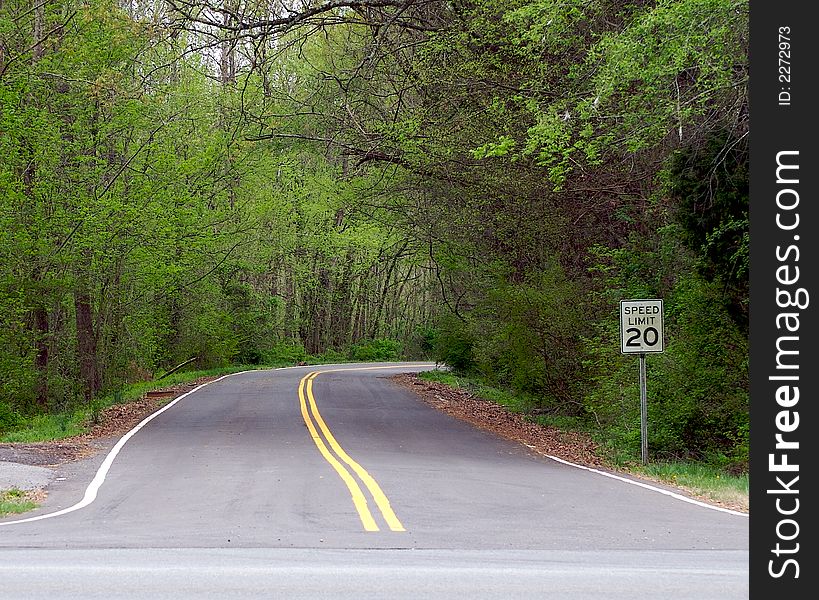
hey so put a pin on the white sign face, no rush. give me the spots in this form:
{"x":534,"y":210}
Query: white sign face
{"x":641,"y":326}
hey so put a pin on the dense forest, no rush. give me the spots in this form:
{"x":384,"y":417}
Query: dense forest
{"x":477,"y":182}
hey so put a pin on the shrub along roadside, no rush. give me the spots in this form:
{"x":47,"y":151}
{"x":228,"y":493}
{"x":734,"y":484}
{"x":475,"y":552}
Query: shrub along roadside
{"x":708,"y":481}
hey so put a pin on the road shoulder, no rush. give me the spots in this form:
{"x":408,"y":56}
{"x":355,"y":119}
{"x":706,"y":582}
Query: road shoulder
{"x":572,"y":447}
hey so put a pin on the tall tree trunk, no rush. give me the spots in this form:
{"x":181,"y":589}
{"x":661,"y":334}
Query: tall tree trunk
{"x":325,"y":305}
{"x":342,"y":306}
{"x":39,"y":30}
{"x":86,"y":341}
{"x":41,"y":325}
{"x":382,"y":299}
{"x":41,"y":357}
{"x":227,"y":62}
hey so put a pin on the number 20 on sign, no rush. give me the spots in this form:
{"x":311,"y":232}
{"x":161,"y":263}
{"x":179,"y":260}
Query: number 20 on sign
{"x":641,"y":326}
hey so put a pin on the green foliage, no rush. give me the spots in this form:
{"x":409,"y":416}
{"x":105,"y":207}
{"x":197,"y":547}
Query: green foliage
{"x":139,"y":226}
{"x":502,"y":147}
{"x":697,"y":389}
{"x":378,"y":350}
{"x":591,"y":80}
{"x":665,"y":69}
{"x":702,"y":383}
{"x":514,"y":401}
{"x":285,"y":353}
{"x":421,"y":344}
{"x":524,"y":335}
{"x":452,"y":345}
{"x":331,"y":355}
{"x":534,"y":337}
{"x":709,"y":184}
{"x":8,"y":417}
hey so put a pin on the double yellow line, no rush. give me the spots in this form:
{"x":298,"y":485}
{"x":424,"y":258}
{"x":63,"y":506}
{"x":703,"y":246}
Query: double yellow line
{"x":335,"y":455}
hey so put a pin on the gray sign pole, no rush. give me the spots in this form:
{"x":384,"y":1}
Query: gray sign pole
{"x":643,"y":410}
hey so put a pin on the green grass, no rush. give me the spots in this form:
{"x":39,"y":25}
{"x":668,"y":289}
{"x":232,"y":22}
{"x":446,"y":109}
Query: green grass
{"x":48,"y":427}
{"x":700,"y":479}
{"x":513,"y":401}
{"x":14,"y":502}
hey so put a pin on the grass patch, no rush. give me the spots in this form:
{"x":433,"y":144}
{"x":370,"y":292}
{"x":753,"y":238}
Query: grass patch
{"x":48,"y":427}
{"x":700,"y":479}
{"x":516,"y":402}
{"x":14,"y":501}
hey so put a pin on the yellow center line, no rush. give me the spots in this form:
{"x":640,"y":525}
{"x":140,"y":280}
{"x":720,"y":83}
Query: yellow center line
{"x":377,"y":494}
{"x":306,"y":389}
{"x":359,"y":500}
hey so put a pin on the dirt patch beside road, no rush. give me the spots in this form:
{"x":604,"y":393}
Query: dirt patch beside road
{"x":493,"y":417}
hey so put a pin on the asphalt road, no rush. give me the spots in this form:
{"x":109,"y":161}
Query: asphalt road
{"x":279,"y":484}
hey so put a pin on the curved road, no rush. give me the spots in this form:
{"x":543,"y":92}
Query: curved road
{"x":331,"y":482}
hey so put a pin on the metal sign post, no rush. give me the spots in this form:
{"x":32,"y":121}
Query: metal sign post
{"x":643,"y":411}
{"x":641,"y":332}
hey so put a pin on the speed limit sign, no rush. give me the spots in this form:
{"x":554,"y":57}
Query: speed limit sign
{"x":641,"y":326}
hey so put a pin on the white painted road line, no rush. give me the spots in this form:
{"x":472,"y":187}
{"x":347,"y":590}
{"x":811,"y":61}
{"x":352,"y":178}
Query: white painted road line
{"x":102,"y":472}
{"x":650,"y":487}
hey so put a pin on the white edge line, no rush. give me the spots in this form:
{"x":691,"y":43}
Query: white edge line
{"x":102,"y":471}
{"x":650,"y":487}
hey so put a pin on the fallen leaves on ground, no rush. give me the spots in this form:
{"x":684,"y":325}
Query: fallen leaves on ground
{"x":490,"y":416}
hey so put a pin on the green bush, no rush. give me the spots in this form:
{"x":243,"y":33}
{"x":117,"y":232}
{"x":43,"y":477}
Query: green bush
{"x":18,"y":376}
{"x":380,"y":350}
{"x":702,"y":382}
{"x":421,"y":343}
{"x":527,"y":335}
{"x":284,"y":353}
{"x":249,"y":317}
{"x":331,"y":355}
{"x":708,"y":183}
{"x":452,"y":345}
{"x":8,"y":417}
